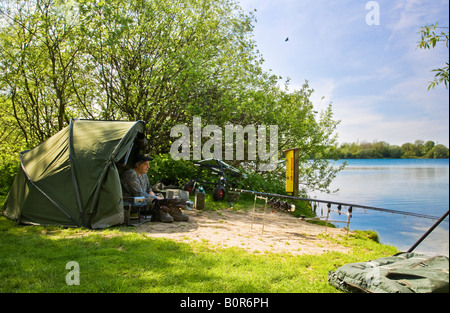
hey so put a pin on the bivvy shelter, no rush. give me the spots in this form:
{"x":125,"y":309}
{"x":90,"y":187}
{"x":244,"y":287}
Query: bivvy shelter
{"x":72,"y":179}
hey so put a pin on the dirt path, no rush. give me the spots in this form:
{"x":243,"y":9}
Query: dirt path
{"x":226,"y":228}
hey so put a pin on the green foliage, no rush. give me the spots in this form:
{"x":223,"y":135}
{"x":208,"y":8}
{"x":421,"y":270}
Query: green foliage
{"x":271,"y":182}
{"x":164,"y":168}
{"x":41,"y":70}
{"x":8,"y":171}
{"x":304,"y":208}
{"x":381,"y":150}
{"x":430,"y":36}
{"x":9,"y":160}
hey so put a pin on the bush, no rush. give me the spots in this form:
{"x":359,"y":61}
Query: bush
{"x":169,"y":171}
{"x":270,"y":182}
{"x":8,"y":171}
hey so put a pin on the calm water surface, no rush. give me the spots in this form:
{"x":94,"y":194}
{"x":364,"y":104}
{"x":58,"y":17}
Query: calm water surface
{"x":412,"y":185}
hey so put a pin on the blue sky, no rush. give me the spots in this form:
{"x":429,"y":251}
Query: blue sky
{"x":374,"y":75}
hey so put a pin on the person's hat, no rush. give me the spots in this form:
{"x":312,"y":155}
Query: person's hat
{"x":143,"y":158}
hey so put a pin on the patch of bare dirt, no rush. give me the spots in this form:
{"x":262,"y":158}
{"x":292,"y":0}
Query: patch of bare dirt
{"x":282,"y":232}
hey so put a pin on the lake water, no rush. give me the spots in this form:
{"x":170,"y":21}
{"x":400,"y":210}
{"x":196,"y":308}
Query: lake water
{"x":412,"y":185}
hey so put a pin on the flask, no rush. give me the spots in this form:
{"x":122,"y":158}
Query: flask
{"x":199,"y":203}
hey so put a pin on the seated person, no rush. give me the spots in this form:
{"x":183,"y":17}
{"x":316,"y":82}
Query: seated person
{"x":135,"y":183}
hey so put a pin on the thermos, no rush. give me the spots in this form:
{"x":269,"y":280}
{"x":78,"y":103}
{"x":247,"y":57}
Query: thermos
{"x":199,"y":203}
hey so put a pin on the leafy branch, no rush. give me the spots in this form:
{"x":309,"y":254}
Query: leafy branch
{"x":430,"y":36}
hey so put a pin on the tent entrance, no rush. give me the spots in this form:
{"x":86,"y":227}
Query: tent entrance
{"x":72,"y":178}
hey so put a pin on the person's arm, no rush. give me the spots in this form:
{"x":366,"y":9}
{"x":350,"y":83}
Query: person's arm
{"x":149,"y":191}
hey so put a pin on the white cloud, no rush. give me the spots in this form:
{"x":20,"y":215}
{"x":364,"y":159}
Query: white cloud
{"x":414,"y":94}
{"x":361,"y":121}
{"x":374,"y":76}
{"x":410,"y":112}
{"x":393,"y":132}
{"x":323,"y":93}
{"x":409,"y":16}
{"x":250,"y":5}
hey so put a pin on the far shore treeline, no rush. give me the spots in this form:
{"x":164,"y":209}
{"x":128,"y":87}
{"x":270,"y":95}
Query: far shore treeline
{"x":382,"y":150}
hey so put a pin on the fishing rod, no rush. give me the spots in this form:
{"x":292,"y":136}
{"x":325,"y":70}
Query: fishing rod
{"x":428,"y":232}
{"x":339,"y":203}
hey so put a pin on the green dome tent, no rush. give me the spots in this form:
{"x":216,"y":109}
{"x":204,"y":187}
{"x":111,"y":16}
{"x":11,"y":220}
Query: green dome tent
{"x":72,"y":178}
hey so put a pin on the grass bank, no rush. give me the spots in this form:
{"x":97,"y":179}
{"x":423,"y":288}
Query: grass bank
{"x":34,"y":259}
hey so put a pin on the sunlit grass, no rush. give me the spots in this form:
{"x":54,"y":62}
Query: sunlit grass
{"x":34,"y":258}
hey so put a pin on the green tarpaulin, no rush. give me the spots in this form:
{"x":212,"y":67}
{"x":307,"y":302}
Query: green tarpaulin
{"x":71,"y":179}
{"x":405,"y":272}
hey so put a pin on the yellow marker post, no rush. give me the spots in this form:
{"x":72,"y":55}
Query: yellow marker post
{"x":292,"y":171}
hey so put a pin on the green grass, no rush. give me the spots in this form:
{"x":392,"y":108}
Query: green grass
{"x":34,"y":258}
